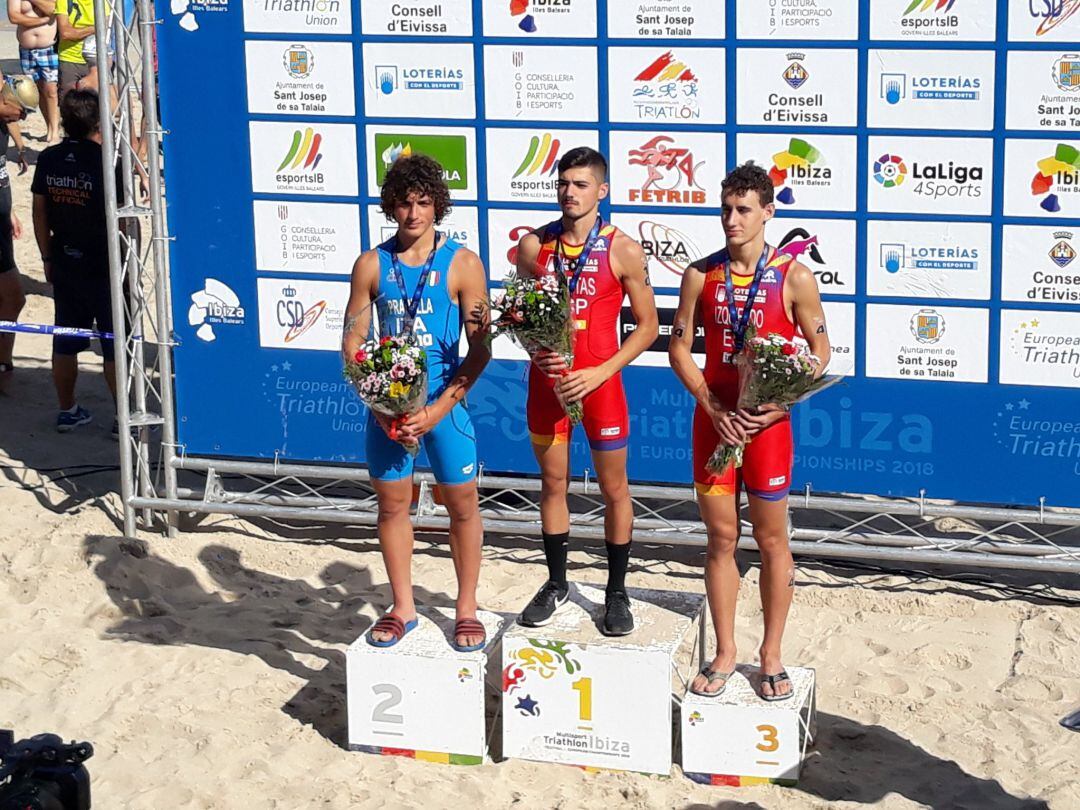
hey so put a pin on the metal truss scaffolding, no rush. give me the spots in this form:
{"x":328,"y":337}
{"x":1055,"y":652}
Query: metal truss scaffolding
{"x":850,"y":527}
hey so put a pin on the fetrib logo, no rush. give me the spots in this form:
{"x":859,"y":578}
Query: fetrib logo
{"x":304,"y":150}
{"x":671,"y":173}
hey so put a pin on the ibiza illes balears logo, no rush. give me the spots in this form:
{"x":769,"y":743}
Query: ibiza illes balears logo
{"x":529,"y":10}
{"x":671,"y":173}
{"x":214,"y":305}
{"x":801,"y":164}
{"x":1058,"y":174}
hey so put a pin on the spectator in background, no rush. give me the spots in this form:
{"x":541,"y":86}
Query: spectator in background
{"x":12,"y":298}
{"x":69,"y":224}
{"x":37,"y":55}
{"x":75,"y":22}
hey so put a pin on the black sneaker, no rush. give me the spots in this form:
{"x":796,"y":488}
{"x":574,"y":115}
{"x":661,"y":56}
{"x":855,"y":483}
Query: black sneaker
{"x":543,"y":606}
{"x":618,"y":620}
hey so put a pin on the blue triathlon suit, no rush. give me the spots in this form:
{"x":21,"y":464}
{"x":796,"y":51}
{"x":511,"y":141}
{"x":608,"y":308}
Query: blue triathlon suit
{"x":451,"y":444}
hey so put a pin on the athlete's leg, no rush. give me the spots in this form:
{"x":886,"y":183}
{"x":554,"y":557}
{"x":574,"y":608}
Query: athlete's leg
{"x":554,"y":461}
{"x":770,"y":521}
{"x":65,"y":371}
{"x":12,"y":301}
{"x":50,"y":106}
{"x":466,"y":544}
{"x":615,"y":488}
{"x":396,"y":544}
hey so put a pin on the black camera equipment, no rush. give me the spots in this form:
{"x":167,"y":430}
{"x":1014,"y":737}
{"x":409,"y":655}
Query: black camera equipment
{"x":43,"y":773}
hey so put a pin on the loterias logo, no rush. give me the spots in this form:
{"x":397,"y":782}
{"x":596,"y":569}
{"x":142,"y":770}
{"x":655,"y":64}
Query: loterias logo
{"x":214,"y":305}
{"x":294,"y":316}
{"x":666,"y":89}
{"x":527,"y":10}
{"x":391,"y":78}
{"x":801,"y":164}
{"x":936,"y":180}
{"x":895,"y":87}
{"x":449,"y":150}
{"x":930,"y":15}
{"x":302,"y":158}
{"x":928,"y":326}
{"x":1058,"y":173}
{"x":1051,"y":13}
{"x":896,"y":256}
{"x":673,"y":249}
{"x":671,"y":173}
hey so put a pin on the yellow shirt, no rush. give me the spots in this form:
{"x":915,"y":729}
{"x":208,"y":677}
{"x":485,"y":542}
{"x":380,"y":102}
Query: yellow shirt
{"x":79,"y":13}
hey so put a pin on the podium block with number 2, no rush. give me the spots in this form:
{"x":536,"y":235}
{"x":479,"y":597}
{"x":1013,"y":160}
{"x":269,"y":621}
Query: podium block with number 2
{"x":573,"y":696}
{"x":420,"y":698}
{"x":738,"y":738}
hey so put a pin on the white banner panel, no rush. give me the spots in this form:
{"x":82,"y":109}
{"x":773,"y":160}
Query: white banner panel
{"x":1040,"y":348}
{"x":523,"y":164}
{"x":301,"y":313}
{"x":928,"y":259}
{"x":539,"y":18}
{"x":506,"y":227}
{"x":810,"y":172}
{"x":299,"y":78}
{"x":299,"y":158}
{"x":461,"y":224}
{"x":786,"y":87}
{"x":1042,"y":178}
{"x":930,"y":175}
{"x":1044,"y":90}
{"x":840,"y":320}
{"x":659,"y":85}
{"x":540,"y":83}
{"x":295,"y":237}
{"x":818,"y":19}
{"x":919,"y":89}
{"x":826,"y":246}
{"x":666,"y":19}
{"x":1044,"y":20}
{"x":419,"y":80}
{"x":416,"y":18}
{"x":671,"y":241}
{"x":912,"y":342}
{"x":667,"y":168}
{"x":298,"y":16}
{"x":1039,"y":264}
{"x":956,"y":20}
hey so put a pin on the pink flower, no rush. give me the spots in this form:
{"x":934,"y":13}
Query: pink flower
{"x":788,"y":349}
{"x":360,"y":356}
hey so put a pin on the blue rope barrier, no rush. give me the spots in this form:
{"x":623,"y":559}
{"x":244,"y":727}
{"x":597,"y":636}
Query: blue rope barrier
{"x":49,"y":329}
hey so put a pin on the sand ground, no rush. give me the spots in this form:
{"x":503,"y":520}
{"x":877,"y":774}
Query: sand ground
{"x":208,"y":671}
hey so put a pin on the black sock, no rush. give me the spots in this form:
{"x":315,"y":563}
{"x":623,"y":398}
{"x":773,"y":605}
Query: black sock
{"x":555,"y":546}
{"x":618,"y":558}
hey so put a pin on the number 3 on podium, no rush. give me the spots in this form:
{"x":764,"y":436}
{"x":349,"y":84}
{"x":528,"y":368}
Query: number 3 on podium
{"x":769,"y":742}
{"x":583,"y":686}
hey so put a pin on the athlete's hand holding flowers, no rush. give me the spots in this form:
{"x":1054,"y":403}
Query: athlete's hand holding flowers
{"x":391,"y":377}
{"x":774,"y":374}
{"x":535,"y":312}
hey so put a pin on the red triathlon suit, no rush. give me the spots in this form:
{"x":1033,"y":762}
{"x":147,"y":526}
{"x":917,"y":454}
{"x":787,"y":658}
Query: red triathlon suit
{"x":767,"y":462}
{"x":594,"y":305}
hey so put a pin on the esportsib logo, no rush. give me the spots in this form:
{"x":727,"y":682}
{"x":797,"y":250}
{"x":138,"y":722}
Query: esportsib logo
{"x":540,"y":159}
{"x":304,"y":150}
{"x":890,"y":170}
{"x":922,"y":6}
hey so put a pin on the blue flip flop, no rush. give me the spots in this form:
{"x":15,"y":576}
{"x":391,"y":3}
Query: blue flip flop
{"x":469,"y":627}
{"x":390,"y":624}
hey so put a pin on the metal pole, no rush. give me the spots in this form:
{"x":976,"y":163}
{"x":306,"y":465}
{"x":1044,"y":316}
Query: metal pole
{"x":116,"y":274}
{"x":145,"y":19}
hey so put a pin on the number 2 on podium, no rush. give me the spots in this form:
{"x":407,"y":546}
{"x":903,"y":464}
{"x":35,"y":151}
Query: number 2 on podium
{"x":583,"y":686}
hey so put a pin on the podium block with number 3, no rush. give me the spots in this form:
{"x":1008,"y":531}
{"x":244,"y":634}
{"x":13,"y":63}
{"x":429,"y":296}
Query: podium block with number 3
{"x":739,"y":739}
{"x":574,"y":696}
{"x":420,"y":698}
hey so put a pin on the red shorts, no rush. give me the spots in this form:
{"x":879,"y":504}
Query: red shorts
{"x":767,"y":461}
{"x":606,"y":422}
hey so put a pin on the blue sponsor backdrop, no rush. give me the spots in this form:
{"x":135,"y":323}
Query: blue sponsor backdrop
{"x":984,"y":442}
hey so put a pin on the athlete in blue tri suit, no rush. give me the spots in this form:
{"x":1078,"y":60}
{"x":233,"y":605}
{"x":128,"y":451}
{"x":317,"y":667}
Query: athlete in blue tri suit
{"x":423,"y":276}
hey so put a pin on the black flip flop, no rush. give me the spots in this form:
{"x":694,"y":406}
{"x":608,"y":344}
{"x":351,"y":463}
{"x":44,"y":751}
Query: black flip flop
{"x":713,"y":676}
{"x":773,"y":680}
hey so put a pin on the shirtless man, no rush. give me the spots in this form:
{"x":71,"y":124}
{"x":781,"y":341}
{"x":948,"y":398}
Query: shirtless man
{"x":37,"y":56}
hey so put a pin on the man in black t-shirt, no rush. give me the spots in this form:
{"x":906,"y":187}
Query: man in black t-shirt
{"x":69,"y":224}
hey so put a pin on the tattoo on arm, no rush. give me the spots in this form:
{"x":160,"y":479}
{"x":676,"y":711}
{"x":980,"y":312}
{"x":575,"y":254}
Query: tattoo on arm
{"x":645,"y":269}
{"x":820,"y":330}
{"x":679,"y":330}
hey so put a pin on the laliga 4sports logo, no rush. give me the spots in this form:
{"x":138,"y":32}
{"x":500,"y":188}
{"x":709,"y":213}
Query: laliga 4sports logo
{"x":671,"y":173}
{"x":1057,"y":173}
{"x":935,"y":180}
{"x":801,"y":164}
{"x":1051,"y":13}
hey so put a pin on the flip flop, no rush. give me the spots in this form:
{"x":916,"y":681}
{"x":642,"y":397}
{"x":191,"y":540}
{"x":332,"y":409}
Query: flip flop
{"x":773,"y":680}
{"x":390,"y":623}
{"x":469,"y":627}
{"x":713,"y":676}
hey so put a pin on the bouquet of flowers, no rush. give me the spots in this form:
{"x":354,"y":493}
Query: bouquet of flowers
{"x":391,"y":377}
{"x":771,"y":370}
{"x":535,"y":312}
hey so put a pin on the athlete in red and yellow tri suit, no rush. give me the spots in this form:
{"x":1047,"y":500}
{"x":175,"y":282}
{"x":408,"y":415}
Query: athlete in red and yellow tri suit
{"x":767,"y":460}
{"x":595,"y":304}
